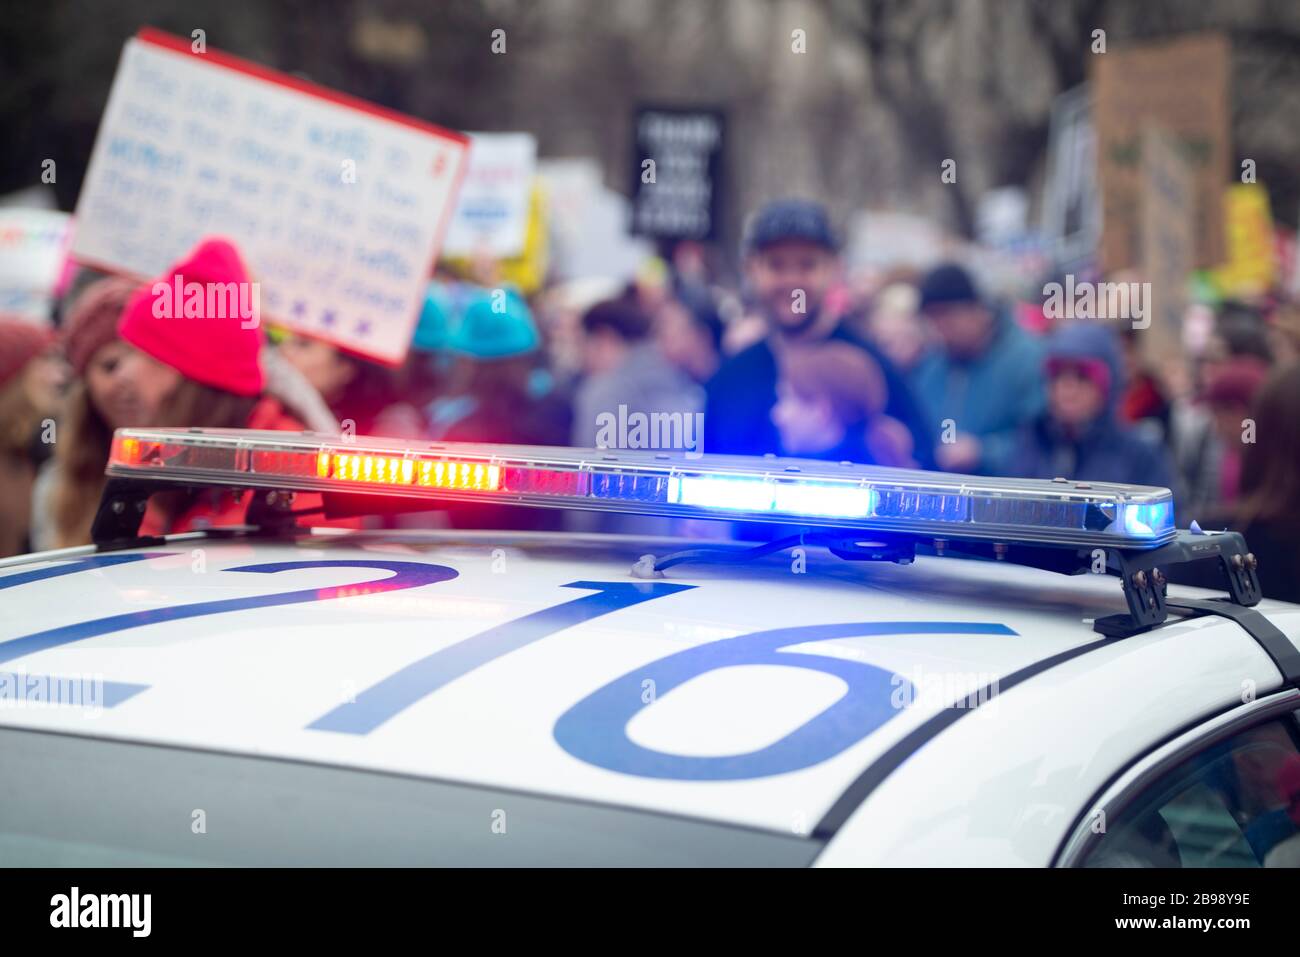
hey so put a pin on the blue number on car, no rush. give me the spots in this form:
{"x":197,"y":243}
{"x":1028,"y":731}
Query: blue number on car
{"x":595,"y":729}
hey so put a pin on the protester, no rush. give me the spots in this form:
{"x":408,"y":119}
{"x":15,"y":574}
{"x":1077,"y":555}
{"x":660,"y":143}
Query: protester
{"x":1079,"y":435}
{"x":830,"y":405}
{"x":981,"y":382}
{"x":1144,"y":401}
{"x":1268,"y":511}
{"x":498,"y":394}
{"x":1210,"y":460}
{"x":30,"y":379}
{"x":895,"y":327}
{"x":626,"y":376}
{"x":791,"y":263}
{"x":1284,"y":331}
{"x":1239,"y":332}
{"x":293,"y":388}
{"x":497,"y":391}
{"x":196,"y":371}
{"x":69,"y":486}
{"x":357,"y":391}
{"x":689,"y":335}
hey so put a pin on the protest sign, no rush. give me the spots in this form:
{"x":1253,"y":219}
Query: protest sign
{"x":337,"y":205}
{"x":589,"y":223}
{"x":677,"y":179}
{"x":31,"y":259}
{"x":492,"y":209}
{"x":1168,"y":229}
{"x":1251,"y":263}
{"x":1071,"y":212}
{"x":1181,"y":87}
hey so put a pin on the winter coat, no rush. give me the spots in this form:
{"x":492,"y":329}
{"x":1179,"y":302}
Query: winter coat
{"x":1107,"y":451}
{"x":991,"y":397}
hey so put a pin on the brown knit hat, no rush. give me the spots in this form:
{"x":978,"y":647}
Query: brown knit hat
{"x":21,"y":341}
{"x":92,"y":320}
{"x":849,"y":379}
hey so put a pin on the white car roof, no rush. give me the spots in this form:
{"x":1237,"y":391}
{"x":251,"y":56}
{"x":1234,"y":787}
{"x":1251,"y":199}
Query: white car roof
{"x":528,"y":661}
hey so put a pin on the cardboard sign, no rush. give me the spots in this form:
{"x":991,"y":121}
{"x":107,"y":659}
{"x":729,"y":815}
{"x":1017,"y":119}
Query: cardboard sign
{"x":32,"y":245}
{"x":492,"y":210}
{"x":1182,"y":87}
{"x":1169,"y":233}
{"x":676,"y":182}
{"x":336,"y":205}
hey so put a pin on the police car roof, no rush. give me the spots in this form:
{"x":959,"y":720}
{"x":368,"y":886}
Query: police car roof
{"x":333,"y":648}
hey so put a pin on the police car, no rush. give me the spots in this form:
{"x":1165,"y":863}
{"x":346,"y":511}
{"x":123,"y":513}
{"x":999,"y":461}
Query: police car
{"x":926,"y":670}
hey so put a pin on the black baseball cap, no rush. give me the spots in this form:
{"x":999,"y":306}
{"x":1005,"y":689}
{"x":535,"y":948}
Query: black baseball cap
{"x":786,"y":220}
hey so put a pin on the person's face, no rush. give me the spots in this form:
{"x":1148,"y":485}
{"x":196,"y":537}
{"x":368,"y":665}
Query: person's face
{"x":602,"y":352}
{"x":790,"y":280}
{"x":44,"y":379}
{"x":102,"y":376}
{"x":1214,"y":356}
{"x":141,"y":388}
{"x":327,"y":369}
{"x":1075,"y":399}
{"x":900,"y":337}
{"x":683,"y":343}
{"x":807,"y":426}
{"x":963,"y":327}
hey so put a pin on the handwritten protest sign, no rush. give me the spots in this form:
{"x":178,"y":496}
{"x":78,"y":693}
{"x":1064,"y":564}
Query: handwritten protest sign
{"x":337,"y":205}
{"x":492,"y":209}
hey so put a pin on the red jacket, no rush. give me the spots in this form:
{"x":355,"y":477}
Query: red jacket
{"x":215,"y":507}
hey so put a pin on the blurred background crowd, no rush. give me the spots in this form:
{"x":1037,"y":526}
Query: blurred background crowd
{"x":843,"y":300}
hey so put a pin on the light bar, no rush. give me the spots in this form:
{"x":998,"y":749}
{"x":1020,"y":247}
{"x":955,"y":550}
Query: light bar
{"x":737,"y":488}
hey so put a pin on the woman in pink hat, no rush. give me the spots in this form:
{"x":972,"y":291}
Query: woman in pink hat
{"x":193,"y":366}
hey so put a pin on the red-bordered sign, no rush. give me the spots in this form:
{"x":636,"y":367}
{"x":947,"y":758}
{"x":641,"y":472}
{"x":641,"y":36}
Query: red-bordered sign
{"x":91,"y":246}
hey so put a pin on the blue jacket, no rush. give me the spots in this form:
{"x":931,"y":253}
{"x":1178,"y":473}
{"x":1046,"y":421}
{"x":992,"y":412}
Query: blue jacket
{"x":992,"y":397}
{"x":1108,"y":451}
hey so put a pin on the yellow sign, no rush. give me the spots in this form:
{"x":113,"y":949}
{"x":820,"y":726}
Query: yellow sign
{"x":1250,"y":268}
{"x":527,"y":271}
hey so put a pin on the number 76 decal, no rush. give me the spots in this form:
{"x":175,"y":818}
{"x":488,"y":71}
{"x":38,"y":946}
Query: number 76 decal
{"x":595,"y":729}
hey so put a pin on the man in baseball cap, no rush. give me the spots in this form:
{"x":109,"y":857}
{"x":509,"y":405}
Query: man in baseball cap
{"x":792,"y":264}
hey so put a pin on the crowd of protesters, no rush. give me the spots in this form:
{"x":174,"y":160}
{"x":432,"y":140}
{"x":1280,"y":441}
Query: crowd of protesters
{"x":916,"y":370}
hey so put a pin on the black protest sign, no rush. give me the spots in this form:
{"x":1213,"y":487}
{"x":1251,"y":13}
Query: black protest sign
{"x":676,"y":180}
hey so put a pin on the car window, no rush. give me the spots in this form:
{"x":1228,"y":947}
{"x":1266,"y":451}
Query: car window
{"x":72,"y":801}
{"x":1236,"y":803}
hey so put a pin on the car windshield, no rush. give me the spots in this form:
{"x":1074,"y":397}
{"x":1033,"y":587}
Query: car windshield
{"x":84,"y":802}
